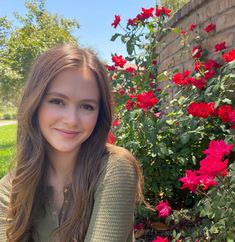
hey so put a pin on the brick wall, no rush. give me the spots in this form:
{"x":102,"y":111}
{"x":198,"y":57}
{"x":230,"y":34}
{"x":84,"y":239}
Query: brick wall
{"x":200,"y":12}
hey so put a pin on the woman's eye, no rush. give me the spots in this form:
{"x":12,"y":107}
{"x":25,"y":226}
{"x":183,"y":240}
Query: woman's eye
{"x":87,"y":107}
{"x":57,"y":102}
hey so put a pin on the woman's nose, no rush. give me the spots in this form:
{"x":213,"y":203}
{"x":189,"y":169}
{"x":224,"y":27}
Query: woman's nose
{"x":71,"y":117}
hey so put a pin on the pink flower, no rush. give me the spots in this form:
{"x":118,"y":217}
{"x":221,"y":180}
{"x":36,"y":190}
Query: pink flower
{"x":116,"y":21}
{"x":190,"y":181}
{"x":218,"y":148}
{"x":212,"y":166}
{"x":160,"y":239}
{"x":207,"y":181}
{"x":116,"y":122}
{"x":163,"y":208}
{"x":158,"y":114}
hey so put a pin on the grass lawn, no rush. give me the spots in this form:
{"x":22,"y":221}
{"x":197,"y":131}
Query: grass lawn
{"x":7,"y":146}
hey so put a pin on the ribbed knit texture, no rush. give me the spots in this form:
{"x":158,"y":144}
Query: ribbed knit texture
{"x":113,"y":208}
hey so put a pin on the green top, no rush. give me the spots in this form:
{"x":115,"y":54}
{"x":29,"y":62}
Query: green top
{"x":113,"y":209}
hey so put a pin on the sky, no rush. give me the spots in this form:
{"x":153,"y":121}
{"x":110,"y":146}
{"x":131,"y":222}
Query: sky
{"x":95,"y":18}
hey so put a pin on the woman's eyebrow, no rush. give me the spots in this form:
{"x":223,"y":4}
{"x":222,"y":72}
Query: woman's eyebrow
{"x":66,"y":97}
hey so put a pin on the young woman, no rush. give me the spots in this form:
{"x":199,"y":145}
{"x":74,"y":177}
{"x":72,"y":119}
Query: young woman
{"x":68,"y":184}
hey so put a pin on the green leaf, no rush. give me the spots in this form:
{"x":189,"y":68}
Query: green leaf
{"x":184,"y":138}
{"x":115,"y":36}
{"x":176,"y":30}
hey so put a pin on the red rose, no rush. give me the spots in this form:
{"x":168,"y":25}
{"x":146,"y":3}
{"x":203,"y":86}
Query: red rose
{"x":130,"y":105}
{"x":211,"y":64}
{"x":199,"y":83}
{"x":146,"y":100}
{"x":145,"y":14}
{"x":210,"y":27}
{"x":116,"y":21}
{"x":201,"y":110}
{"x":110,"y":68}
{"x":198,"y":66}
{"x":197,"y":51}
{"x":132,"y":89}
{"x":162,"y":11}
{"x":132,"y":22}
{"x":229,"y":56}
{"x":122,"y":92}
{"x":181,"y":79}
{"x":232,"y":116}
{"x":192,"y":27}
{"x":111,"y":138}
{"x":223,"y":112}
{"x":130,"y":70}
{"x":220,"y":46}
{"x":209,"y":74}
{"x":154,"y":62}
{"x":118,"y":60}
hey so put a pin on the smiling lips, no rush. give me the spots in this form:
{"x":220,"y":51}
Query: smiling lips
{"x":67,"y":133}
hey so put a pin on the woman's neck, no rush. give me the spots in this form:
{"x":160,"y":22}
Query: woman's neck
{"x":60,"y":168}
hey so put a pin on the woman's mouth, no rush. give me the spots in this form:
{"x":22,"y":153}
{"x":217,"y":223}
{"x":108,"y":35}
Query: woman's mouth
{"x":67,"y":133}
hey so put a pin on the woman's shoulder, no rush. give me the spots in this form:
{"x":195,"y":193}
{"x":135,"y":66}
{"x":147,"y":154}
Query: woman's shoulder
{"x":120,"y":153}
{"x":120,"y":160}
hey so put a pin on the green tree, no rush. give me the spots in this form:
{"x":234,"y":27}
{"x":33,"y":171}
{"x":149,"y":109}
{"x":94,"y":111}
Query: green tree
{"x":34,"y":33}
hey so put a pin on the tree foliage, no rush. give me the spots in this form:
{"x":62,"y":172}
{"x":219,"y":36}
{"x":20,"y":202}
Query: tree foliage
{"x":34,"y":33}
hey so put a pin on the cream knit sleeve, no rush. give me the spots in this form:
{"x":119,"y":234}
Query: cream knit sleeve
{"x":114,"y":205}
{"x":5,"y":187}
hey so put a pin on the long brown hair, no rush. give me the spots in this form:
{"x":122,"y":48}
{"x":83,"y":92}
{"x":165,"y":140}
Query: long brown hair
{"x":31,"y":157}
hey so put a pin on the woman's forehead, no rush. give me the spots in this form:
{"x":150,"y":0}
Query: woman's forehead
{"x":75,"y":82}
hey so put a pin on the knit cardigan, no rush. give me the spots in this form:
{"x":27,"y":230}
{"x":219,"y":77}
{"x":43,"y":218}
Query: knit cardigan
{"x":113,"y":208}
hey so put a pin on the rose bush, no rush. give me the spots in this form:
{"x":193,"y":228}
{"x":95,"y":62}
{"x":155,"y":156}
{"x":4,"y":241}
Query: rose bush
{"x":168,"y":134}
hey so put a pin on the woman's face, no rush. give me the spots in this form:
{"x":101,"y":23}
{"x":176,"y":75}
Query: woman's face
{"x":69,"y":110}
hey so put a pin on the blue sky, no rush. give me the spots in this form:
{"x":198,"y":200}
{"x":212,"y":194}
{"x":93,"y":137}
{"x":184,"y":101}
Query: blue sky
{"x":95,"y":19}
